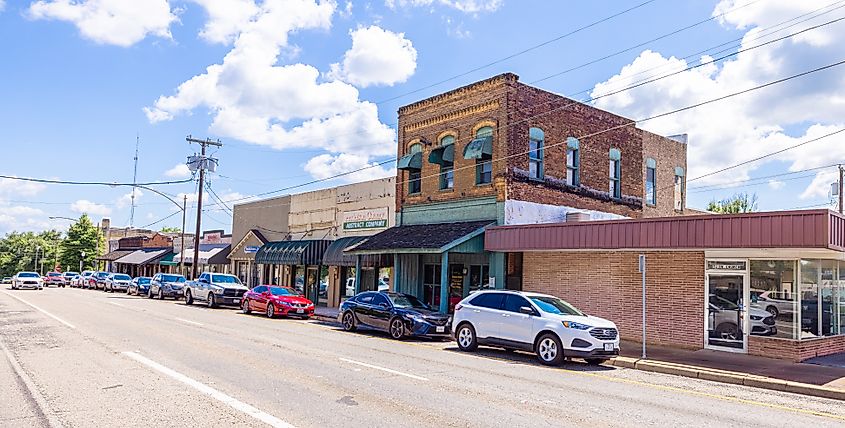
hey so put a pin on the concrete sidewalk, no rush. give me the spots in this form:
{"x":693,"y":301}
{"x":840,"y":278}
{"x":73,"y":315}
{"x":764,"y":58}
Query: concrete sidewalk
{"x":760,"y":372}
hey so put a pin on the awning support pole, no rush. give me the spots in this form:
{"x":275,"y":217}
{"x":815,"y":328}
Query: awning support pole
{"x":396,"y":273}
{"x":357,"y":273}
{"x":444,"y":282}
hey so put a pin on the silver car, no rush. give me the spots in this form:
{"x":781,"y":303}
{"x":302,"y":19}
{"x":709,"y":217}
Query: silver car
{"x":27,"y":280}
{"x":117,"y":282}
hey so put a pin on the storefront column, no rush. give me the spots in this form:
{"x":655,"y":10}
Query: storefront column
{"x":497,"y":269}
{"x":357,"y":274}
{"x":444,"y":282}
{"x":397,"y":273}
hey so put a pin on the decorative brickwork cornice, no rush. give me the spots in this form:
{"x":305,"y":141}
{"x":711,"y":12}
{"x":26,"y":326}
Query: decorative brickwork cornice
{"x":469,"y":111}
{"x":484,"y":85}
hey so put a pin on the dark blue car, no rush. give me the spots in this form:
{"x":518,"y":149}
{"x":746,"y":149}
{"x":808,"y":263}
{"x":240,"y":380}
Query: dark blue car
{"x":397,"y":313}
{"x":139,"y":286}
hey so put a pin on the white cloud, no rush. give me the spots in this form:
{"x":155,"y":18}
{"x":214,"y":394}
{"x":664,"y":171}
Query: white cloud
{"x":114,"y":22}
{"x":226,"y":18}
{"x":743,"y":127}
{"x":84,"y":206}
{"x":377,"y":57}
{"x":776,"y":184}
{"x":253,"y":99}
{"x":2,"y":5}
{"x":126,"y":199}
{"x":820,"y":186}
{"x":467,"y":6}
{"x":325,"y":166}
{"x":22,"y":218}
{"x":179,"y":171}
{"x":11,"y":187}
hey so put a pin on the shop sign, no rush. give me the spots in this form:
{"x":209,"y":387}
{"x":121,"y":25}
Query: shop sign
{"x":738,"y":266}
{"x":365,"y":219}
{"x":251,"y":249}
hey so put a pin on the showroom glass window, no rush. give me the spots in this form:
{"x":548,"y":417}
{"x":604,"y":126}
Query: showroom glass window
{"x":774,"y":290}
{"x":821,"y":298}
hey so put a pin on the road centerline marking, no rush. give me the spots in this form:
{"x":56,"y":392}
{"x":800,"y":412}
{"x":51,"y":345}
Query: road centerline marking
{"x":207,"y":390}
{"x":67,"y":324}
{"x":384,"y":369}
{"x":189,"y":321}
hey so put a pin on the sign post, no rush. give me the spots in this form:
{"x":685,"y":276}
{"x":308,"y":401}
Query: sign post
{"x":642,"y":270}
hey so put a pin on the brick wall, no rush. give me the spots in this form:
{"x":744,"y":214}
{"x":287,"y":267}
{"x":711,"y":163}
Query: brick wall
{"x":795,"y":350}
{"x":668,"y":154}
{"x":607,"y":284}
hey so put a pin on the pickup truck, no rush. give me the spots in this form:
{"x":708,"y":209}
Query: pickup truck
{"x":215,"y":289}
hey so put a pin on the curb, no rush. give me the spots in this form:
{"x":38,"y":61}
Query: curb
{"x":735,"y":378}
{"x":324,"y":318}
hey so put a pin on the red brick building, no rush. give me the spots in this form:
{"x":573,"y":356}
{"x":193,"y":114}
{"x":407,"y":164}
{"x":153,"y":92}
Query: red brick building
{"x":770,"y":284}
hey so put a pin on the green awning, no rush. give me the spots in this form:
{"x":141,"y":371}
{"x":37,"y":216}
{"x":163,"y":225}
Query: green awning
{"x":479,"y":147}
{"x":305,"y":252}
{"x":410,"y":161}
{"x":442,"y":154}
{"x":168,"y":260}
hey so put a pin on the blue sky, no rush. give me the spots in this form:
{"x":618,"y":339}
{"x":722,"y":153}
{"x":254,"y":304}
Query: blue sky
{"x":75,"y":93}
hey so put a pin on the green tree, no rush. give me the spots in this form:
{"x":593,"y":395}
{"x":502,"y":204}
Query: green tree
{"x":736,"y":204}
{"x":82,"y":237}
{"x":18,"y":251}
{"x":169,"y":229}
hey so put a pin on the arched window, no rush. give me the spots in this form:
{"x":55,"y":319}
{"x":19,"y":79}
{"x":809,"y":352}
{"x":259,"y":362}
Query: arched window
{"x":484,"y":161}
{"x":536,"y":141}
{"x":413,"y":164}
{"x":447,"y":164}
{"x":415,"y":148}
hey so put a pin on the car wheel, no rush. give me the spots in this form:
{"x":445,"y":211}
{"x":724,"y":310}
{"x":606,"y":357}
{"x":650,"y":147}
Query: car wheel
{"x":773,"y":310}
{"x":128,"y":293}
{"x":271,"y":310}
{"x":150,"y":293}
{"x":160,"y":294}
{"x":245,"y":307}
{"x":595,"y":361}
{"x":549,"y":350}
{"x":189,"y":299}
{"x":210,"y":301}
{"x":397,"y":328}
{"x":467,"y":341}
{"x":349,"y":321}
{"x":727,"y":331}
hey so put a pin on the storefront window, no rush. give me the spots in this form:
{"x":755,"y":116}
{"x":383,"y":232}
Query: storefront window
{"x":773,"y":289}
{"x":479,"y":277}
{"x":299,"y":279}
{"x":431,"y":285}
{"x":838,"y":299}
{"x":809,"y":298}
{"x":347,"y":276}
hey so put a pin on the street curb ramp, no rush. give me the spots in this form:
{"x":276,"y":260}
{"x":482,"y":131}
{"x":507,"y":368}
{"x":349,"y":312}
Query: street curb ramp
{"x":736,"y":378}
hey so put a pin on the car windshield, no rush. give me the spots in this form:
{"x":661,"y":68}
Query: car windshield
{"x":27,"y":275}
{"x":143,"y":280}
{"x":282,"y":291}
{"x":53,"y":274}
{"x":227,"y":279}
{"x":553,"y":305}
{"x":172,"y":278}
{"x":71,"y":274}
{"x":122,"y":277}
{"x":102,"y":274}
{"x":406,"y":301}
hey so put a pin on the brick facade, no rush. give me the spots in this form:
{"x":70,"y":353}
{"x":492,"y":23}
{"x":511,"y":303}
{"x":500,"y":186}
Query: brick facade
{"x":607,"y":284}
{"x":795,"y":350}
{"x":512,"y":108}
{"x":668,"y":154}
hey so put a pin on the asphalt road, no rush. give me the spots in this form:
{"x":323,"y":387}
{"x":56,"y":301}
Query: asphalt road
{"x":84,"y":358}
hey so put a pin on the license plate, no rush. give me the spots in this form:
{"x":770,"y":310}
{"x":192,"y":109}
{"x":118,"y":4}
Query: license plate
{"x":440,"y":329}
{"x":299,"y":311}
{"x":608,"y":347}
{"x":236,"y":301}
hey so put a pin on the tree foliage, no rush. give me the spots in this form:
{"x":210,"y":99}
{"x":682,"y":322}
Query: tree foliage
{"x":18,"y":251}
{"x":736,"y":204}
{"x":82,"y":237}
{"x":170,"y":229}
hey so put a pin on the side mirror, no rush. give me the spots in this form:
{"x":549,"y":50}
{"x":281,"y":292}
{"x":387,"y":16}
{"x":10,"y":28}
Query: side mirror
{"x":527,"y":310}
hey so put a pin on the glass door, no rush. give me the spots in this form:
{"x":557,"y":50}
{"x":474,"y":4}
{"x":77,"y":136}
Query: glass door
{"x":726,"y":312}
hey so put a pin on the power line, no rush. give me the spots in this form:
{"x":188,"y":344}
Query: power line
{"x":767,"y":177}
{"x":159,"y":220}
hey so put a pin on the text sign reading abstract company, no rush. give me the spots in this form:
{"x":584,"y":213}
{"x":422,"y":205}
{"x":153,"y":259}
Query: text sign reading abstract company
{"x":365,"y":219}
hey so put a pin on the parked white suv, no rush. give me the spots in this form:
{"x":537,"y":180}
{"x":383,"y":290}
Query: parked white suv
{"x":540,"y":323}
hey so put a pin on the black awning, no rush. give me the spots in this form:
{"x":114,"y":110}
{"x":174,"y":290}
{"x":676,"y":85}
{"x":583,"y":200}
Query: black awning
{"x":305,"y":252}
{"x":335,"y":256}
{"x":421,"y":238}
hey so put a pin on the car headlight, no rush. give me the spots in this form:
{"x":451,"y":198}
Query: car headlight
{"x":283,"y":303}
{"x":414,"y":317}
{"x":756,"y":317}
{"x":576,"y":325}
{"x":217,"y":291}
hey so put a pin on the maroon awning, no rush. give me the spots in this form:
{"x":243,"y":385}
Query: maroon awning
{"x":785,"y":229}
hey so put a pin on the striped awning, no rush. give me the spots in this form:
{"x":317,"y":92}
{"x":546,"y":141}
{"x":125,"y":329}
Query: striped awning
{"x":335,"y":256}
{"x":304,"y":252}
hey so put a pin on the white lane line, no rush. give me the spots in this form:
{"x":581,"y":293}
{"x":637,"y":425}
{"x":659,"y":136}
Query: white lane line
{"x":205,"y":389}
{"x":34,"y":393}
{"x":384,"y":369}
{"x":115,"y":303}
{"x":190,"y":322}
{"x":41,"y":310}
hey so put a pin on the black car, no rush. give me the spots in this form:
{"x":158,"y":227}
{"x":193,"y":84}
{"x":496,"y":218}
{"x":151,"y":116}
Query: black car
{"x":166,"y":285}
{"x":139,"y":286}
{"x":397,"y":313}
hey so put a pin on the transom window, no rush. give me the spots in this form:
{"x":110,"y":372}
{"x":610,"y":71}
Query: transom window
{"x":536,"y":141}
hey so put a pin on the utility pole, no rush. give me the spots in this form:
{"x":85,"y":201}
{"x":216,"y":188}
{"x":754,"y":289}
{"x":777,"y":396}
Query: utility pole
{"x":134,"y":182}
{"x":841,"y":175}
{"x":203,"y":164}
{"x":182,"y":253}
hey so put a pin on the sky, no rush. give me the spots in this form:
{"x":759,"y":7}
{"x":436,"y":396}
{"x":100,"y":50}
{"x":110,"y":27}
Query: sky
{"x":298,"y":90}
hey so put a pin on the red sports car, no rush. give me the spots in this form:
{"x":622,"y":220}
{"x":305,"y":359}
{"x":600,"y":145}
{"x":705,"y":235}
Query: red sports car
{"x":273,"y":300}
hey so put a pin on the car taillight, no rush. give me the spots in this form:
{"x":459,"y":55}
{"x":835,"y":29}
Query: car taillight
{"x":458,"y":307}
